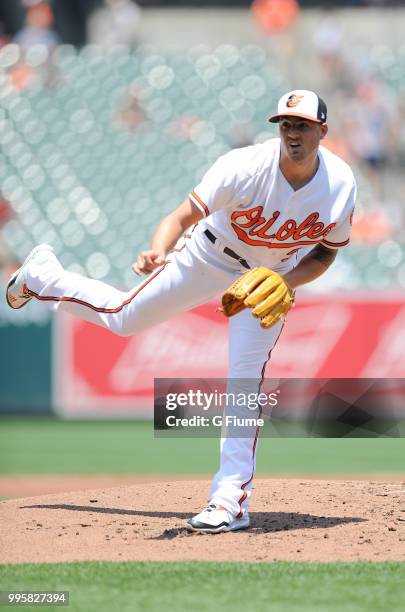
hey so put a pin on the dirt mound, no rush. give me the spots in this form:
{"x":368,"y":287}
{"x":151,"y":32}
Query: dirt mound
{"x":28,"y":485}
{"x":294,"y":519}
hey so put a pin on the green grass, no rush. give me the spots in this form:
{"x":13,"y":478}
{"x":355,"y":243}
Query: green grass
{"x":287,"y":587}
{"x":38,"y":445}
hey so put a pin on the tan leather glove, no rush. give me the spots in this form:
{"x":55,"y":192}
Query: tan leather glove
{"x":263,"y":290}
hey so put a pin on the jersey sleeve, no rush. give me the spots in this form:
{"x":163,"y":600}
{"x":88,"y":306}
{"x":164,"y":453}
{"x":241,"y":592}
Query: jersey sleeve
{"x":218,"y":187}
{"x":339,"y":236}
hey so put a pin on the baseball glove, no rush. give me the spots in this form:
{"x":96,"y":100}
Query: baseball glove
{"x":263,"y":290}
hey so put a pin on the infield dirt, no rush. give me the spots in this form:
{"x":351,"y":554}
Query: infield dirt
{"x":291,"y":519}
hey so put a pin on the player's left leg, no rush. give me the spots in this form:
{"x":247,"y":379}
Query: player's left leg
{"x":249,"y":351}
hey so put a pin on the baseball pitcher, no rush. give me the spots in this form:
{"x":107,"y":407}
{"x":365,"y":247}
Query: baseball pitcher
{"x":239,"y":235}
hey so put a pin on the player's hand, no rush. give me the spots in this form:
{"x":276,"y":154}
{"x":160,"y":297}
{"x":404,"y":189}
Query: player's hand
{"x":147,"y":262}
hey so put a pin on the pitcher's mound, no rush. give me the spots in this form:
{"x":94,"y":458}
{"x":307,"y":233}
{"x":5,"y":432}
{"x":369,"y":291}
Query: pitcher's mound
{"x":301,"y":520}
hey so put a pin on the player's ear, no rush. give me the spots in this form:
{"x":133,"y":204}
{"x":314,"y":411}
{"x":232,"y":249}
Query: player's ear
{"x":324,"y":130}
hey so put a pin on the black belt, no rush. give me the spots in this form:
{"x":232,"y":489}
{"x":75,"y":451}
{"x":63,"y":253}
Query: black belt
{"x":227,"y":251}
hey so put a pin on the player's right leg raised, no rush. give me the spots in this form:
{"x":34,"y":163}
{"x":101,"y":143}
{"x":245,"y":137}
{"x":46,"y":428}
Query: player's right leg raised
{"x":179,"y":285}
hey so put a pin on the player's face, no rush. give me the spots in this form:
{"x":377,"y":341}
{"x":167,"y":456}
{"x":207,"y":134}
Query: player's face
{"x":300,"y":138}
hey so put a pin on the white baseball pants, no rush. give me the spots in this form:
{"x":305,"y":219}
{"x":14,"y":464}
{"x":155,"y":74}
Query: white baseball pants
{"x":194,"y":274}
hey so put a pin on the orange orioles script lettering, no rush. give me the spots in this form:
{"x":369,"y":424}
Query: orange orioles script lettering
{"x":252,"y":228}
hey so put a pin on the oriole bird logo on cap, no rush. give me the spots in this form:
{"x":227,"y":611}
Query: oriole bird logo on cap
{"x":293,"y":101}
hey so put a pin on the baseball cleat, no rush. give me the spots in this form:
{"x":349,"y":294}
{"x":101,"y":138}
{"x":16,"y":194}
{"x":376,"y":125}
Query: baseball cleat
{"x":216,"y":519}
{"x":18,"y":294}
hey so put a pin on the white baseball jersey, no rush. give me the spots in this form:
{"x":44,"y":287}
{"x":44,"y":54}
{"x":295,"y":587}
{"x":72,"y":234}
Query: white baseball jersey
{"x":261,"y":217}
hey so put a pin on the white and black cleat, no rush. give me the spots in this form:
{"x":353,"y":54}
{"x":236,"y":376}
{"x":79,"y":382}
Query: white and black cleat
{"x":18,"y":294}
{"x":216,"y":519}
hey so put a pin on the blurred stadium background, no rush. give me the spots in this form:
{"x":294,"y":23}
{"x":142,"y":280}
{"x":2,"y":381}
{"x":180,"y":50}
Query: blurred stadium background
{"x":111,"y":111}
